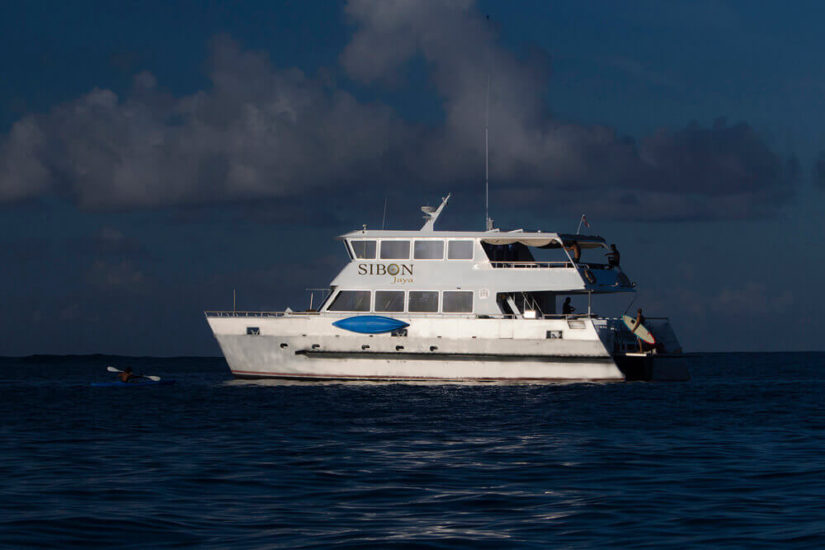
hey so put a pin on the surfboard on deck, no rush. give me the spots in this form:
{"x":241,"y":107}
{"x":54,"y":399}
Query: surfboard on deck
{"x":640,"y":331}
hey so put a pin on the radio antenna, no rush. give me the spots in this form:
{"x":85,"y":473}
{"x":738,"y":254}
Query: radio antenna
{"x":488,"y":223}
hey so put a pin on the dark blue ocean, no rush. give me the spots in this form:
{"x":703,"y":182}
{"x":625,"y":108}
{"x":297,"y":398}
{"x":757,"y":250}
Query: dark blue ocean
{"x":734,"y":458}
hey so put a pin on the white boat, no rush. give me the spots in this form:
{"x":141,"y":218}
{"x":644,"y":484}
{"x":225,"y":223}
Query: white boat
{"x":454,"y":306}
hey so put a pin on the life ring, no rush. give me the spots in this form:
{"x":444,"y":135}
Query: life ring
{"x":589,"y":276}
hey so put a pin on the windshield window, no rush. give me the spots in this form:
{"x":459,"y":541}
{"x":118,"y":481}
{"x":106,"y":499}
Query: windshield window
{"x":395,"y":250}
{"x":364,"y":250}
{"x":429,"y":250}
{"x":460,"y":250}
{"x":351,"y":300}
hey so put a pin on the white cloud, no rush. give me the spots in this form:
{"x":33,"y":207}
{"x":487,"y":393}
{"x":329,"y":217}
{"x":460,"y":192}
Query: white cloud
{"x":261,"y":132}
{"x":257,"y":133}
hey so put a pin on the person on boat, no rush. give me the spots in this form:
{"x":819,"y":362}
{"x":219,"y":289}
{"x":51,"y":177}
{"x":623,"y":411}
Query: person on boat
{"x":640,"y":320}
{"x":613,"y":257}
{"x":575,"y":251}
{"x":567,"y":308}
{"x":127,"y":375}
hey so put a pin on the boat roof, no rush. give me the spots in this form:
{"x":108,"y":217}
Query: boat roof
{"x":536,"y":239}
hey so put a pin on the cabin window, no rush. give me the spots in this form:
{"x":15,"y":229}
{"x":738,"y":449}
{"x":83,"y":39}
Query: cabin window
{"x":253,"y":331}
{"x":460,"y":250}
{"x":389,"y":300}
{"x":351,"y":300}
{"x":429,"y":250}
{"x":458,"y":301}
{"x":425,"y":301}
{"x":395,"y":250}
{"x":364,"y":250}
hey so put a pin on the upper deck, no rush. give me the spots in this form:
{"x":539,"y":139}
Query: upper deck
{"x":501,"y":261}
{"x":478,"y":270}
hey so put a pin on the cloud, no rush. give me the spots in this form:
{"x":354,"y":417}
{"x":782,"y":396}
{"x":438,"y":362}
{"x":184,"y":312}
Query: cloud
{"x":725,"y":171}
{"x":257,"y":132}
{"x":264,"y":133}
{"x":22,"y":173}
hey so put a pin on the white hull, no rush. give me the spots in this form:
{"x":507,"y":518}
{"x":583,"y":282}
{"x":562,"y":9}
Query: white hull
{"x":265,"y":359}
{"x":311,"y":348}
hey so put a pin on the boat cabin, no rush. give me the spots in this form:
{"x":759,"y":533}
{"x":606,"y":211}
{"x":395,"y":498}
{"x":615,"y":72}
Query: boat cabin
{"x":485,"y":273}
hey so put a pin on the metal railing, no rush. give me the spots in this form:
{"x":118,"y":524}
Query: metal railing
{"x":548,"y":265}
{"x":529,"y":265}
{"x":264,"y":314}
{"x":258,"y":313}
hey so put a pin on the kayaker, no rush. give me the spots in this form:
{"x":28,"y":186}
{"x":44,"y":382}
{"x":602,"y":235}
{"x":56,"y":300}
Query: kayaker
{"x":126,"y":375}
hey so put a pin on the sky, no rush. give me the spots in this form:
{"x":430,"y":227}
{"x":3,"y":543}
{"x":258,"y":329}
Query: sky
{"x":157,"y":156}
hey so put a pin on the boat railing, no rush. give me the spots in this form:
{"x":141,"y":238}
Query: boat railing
{"x":547,"y":265}
{"x":264,"y":314}
{"x":620,"y":319}
{"x":340,"y":314}
{"x":258,"y":313}
{"x":529,"y":265}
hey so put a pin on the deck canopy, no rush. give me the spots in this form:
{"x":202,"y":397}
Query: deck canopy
{"x":545,"y":240}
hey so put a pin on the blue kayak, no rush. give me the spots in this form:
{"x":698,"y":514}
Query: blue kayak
{"x":370,"y":324}
{"x":135,"y":384}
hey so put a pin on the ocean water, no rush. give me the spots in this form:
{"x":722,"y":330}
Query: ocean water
{"x":734,"y":458}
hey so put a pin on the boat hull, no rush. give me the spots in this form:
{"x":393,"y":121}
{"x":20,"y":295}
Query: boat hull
{"x":312,"y":347}
{"x":325,"y":358}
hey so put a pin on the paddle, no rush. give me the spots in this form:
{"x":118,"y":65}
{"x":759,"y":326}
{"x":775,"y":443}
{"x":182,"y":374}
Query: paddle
{"x":153,"y":378}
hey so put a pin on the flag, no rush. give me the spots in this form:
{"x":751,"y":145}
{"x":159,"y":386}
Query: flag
{"x":584,"y":221}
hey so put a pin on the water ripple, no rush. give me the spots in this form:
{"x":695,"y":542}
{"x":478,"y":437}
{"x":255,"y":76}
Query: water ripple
{"x":731,"y":459}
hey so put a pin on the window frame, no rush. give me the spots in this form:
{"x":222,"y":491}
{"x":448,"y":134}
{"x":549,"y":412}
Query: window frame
{"x":355,"y":256}
{"x":338,"y":294}
{"x":403,"y":301}
{"x":443,"y":249}
{"x":380,"y":250}
{"x":472,"y":300}
{"x":437,"y":301}
{"x":472,"y":250}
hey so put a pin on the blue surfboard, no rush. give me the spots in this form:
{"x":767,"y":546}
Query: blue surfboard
{"x":370,"y":324}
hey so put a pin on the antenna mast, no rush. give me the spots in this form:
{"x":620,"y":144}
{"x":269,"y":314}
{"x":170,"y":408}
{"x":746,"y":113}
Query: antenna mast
{"x":488,"y":223}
